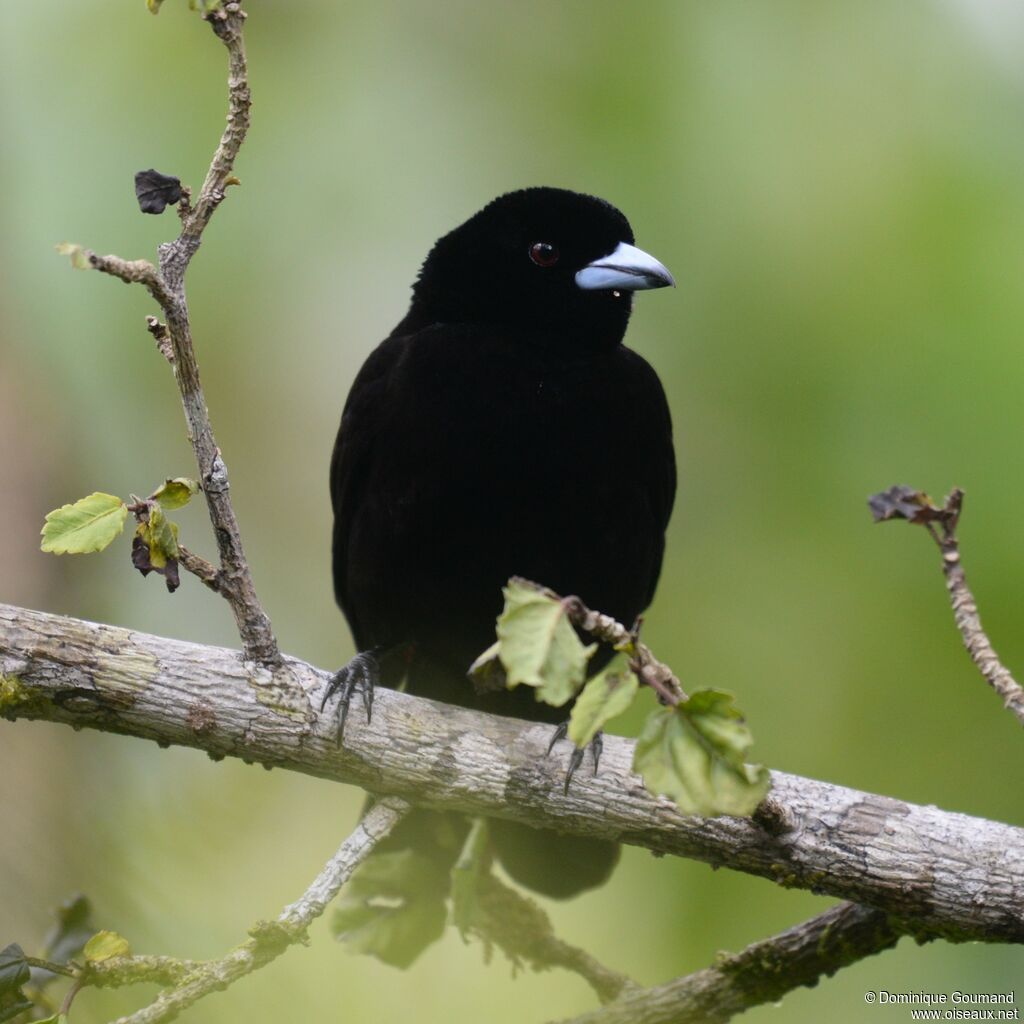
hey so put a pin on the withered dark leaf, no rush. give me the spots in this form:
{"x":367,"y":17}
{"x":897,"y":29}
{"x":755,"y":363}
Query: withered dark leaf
{"x":14,"y":973}
{"x":140,"y":556}
{"x":902,"y":502}
{"x":155,"y":191}
{"x":141,"y":560}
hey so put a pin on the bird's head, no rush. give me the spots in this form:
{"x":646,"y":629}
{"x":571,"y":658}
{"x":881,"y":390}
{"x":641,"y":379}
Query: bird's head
{"x":559,"y":263}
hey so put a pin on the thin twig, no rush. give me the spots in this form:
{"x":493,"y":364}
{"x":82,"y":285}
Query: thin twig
{"x":941,"y":522}
{"x":523,"y":932}
{"x":131,"y":272}
{"x":203,"y":570}
{"x":763,"y":973}
{"x":651,"y":672}
{"x":49,"y":965}
{"x":965,"y":612}
{"x":269,"y":939}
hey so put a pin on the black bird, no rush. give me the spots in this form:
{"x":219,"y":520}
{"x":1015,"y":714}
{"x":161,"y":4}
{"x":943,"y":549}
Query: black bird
{"x":503,"y":429}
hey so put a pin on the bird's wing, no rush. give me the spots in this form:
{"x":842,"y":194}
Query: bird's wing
{"x":352,"y":459}
{"x":654,"y":468}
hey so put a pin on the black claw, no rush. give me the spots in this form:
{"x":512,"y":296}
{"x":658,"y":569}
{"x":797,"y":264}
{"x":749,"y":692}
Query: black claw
{"x":596,"y":745}
{"x":561,"y":731}
{"x":368,"y":697}
{"x":575,"y":760}
{"x":363,"y":671}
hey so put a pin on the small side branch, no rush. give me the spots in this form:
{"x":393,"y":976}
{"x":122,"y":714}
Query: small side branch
{"x":268,"y":939}
{"x":523,"y":932}
{"x":763,"y":973}
{"x":131,"y":272}
{"x":227,"y":23}
{"x":203,"y":570}
{"x":651,"y":672}
{"x":941,"y":522}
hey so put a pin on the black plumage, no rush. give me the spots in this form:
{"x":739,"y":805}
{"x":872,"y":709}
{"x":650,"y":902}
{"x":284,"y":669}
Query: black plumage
{"x":504,"y":429}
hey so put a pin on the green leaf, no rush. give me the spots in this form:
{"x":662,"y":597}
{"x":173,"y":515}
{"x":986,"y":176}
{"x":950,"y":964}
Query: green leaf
{"x":57,"y":1018}
{"x":608,"y":694}
{"x":175,"y":493}
{"x":160,"y":536}
{"x":79,"y":260}
{"x":90,"y":524}
{"x":393,"y":907}
{"x":487,"y":674}
{"x":105,"y":945}
{"x":694,"y":754}
{"x":14,"y":971}
{"x":539,"y":646}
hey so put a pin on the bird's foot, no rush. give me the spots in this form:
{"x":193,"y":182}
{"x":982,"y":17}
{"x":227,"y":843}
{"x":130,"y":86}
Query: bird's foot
{"x":596,"y":745}
{"x":362,"y":673}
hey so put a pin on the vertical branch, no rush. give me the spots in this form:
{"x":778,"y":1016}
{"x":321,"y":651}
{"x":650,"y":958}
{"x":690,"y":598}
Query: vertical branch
{"x":236,"y":580}
{"x":166,"y":284}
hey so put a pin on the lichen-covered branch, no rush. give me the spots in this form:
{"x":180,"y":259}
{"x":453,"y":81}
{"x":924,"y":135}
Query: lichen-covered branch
{"x":950,"y":874}
{"x":267,"y":939}
{"x":763,"y":973}
{"x":901,"y":502}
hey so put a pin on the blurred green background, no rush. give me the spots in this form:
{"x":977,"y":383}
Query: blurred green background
{"x":838,"y":188}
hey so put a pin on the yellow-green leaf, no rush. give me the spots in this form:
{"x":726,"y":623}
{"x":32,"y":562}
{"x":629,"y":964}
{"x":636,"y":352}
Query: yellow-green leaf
{"x":105,"y":945}
{"x":176,"y":492}
{"x":604,"y":697}
{"x":487,"y":673}
{"x":79,"y":260}
{"x":90,"y":524}
{"x":694,"y":754}
{"x":161,"y":537}
{"x":539,"y":646}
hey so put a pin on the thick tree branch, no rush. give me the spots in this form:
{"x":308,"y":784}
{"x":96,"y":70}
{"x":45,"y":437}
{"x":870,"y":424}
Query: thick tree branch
{"x":953,"y":875}
{"x":764,"y":972}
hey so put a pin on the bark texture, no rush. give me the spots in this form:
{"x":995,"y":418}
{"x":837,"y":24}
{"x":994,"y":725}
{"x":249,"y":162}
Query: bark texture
{"x":953,"y":875}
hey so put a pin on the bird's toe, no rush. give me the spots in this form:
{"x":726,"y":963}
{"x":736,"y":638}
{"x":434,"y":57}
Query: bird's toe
{"x":362,"y":673}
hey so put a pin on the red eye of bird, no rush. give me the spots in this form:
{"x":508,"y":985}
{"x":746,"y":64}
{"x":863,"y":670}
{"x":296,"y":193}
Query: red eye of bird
{"x":544,"y":254}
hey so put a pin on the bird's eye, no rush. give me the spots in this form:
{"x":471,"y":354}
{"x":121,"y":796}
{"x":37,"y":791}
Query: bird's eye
{"x":544,"y":254}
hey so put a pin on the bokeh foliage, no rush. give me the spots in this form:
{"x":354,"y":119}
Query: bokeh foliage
{"x":837,"y":187}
